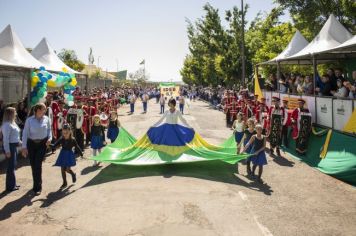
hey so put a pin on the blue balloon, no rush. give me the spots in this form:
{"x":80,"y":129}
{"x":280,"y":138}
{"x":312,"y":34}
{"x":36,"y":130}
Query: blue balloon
{"x":49,"y":76}
{"x":42,"y":68}
{"x":61,"y":73}
{"x":43,"y":79}
{"x":40,"y":75}
{"x":39,"y":84}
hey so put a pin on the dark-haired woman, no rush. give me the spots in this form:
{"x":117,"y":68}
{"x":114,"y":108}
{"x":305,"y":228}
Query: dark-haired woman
{"x":36,"y":137}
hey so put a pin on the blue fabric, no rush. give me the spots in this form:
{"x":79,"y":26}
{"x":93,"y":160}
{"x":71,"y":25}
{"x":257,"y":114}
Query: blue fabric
{"x":132,"y":107}
{"x":66,"y":158}
{"x":259,"y":159}
{"x":112,"y":134}
{"x":96,"y":142}
{"x":11,"y":165}
{"x":171,"y":135}
{"x":144,"y":106}
{"x":238,"y":136}
{"x":181,"y":108}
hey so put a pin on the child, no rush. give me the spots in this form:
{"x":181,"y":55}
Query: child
{"x":258,"y":143}
{"x":66,"y":158}
{"x":97,"y":137}
{"x":238,"y":127}
{"x":114,"y":124}
{"x":248,"y":133}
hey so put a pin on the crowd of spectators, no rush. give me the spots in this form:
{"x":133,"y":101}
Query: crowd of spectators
{"x":333,"y":83}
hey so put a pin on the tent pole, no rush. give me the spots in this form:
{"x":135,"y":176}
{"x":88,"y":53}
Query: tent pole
{"x":29,"y":91}
{"x":315,"y":72}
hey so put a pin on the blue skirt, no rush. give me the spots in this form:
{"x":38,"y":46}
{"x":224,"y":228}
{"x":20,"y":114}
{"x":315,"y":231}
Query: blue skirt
{"x":238,"y":136}
{"x":96,"y":142}
{"x":113,"y":132}
{"x":66,"y":158}
{"x":248,"y":150}
{"x":259,"y":159}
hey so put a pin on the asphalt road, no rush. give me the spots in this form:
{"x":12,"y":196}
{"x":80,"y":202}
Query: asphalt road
{"x":210,"y":198}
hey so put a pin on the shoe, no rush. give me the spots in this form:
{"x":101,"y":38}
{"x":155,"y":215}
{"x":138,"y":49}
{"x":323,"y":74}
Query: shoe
{"x":63,"y":185}
{"x":74,"y":177}
{"x":278,"y":152}
{"x":271,"y":151}
{"x":260,"y":180}
{"x":37,"y":193}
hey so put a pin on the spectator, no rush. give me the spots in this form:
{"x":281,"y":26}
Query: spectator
{"x":2,"y":109}
{"x":299,"y":84}
{"x":351,"y":86}
{"x":338,"y":74}
{"x":308,"y":86}
{"x":326,"y":90}
{"x":332,"y":79}
{"x":341,"y":91}
{"x":291,"y":85}
{"x":282,"y":84}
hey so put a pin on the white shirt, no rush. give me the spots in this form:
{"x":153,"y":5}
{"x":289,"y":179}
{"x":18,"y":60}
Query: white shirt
{"x":239,"y":126}
{"x":172,"y":118}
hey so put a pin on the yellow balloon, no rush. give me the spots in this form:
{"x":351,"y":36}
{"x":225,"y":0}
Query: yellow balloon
{"x":33,"y":84}
{"x":73,"y":83}
{"x":51,"y":83}
{"x":64,"y":69}
{"x":35,"y":79}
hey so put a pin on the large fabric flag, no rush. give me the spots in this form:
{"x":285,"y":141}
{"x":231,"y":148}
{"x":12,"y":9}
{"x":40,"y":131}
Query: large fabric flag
{"x":258,"y":90}
{"x":165,"y":144}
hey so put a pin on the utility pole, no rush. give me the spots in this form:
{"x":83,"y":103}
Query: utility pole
{"x":243,"y":43}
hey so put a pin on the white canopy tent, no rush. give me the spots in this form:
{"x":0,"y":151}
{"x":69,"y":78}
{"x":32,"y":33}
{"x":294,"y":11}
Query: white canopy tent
{"x":44,"y":53}
{"x":297,"y":43}
{"x":347,"y":47}
{"x":330,"y":36}
{"x":5,"y":63}
{"x":13,"y":51}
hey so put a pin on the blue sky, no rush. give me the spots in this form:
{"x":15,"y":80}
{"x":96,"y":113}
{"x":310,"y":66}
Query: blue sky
{"x":127,"y":31}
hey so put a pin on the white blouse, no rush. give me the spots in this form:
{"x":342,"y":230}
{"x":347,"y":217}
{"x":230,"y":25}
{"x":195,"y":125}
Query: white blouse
{"x":239,"y":126}
{"x":172,"y":118}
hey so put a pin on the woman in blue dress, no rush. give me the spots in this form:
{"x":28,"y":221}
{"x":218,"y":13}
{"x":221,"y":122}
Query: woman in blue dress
{"x":66,"y":157}
{"x":248,"y":133}
{"x":114,"y":125}
{"x":258,"y":158}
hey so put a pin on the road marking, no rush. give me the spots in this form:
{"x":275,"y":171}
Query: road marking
{"x":264,"y":230}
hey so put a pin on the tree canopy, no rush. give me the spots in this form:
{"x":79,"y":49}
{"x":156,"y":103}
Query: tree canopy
{"x":69,"y":57}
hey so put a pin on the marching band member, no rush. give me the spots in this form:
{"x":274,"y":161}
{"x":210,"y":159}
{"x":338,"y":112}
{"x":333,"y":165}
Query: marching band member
{"x":277,"y":118}
{"x":286,"y":123}
{"x":302,"y":124}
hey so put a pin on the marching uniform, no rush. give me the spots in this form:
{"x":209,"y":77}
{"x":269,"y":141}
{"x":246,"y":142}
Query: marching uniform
{"x":302,"y":124}
{"x":286,"y":124}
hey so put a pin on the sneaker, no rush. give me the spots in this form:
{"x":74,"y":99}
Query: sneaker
{"x":63,"y":185}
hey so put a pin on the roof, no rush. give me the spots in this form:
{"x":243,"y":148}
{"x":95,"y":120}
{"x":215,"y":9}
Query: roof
{"x":330,"y":36}
{"x":297,"y":43}
{"x":13,"y":51}
{"x":44,"y":53}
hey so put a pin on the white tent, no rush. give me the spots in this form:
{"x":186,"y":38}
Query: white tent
{"x":5,"y":63}
{"x":297,"y":43}
{"x":13,"y":51}
{"x":49,"y":59}
{"x":330,"y":36}
{"x":347,"y":47}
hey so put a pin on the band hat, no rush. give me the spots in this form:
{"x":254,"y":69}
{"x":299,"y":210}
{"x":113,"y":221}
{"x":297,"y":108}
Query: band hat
{"x":301,"y":100}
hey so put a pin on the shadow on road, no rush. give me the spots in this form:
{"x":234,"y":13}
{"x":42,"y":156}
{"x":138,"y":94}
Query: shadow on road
{"x":282,"y":161}
{"x":212,"y":170}
{"x":89,"y":169}
{"x":55,"y":196}
{"x":16,"y":205}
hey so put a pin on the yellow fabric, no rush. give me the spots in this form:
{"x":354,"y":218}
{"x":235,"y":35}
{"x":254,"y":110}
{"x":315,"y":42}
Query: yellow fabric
{"x":258,"y":90}
{"x":321,"y":132}
{"x":324,"y":149}
{"x":351,"y":124}
{"x":197,"y":142}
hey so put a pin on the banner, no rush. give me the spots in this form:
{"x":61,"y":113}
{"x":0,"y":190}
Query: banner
{"x":342,"y":112}
{"x":324,"y":111}
{"x":310,"y":104}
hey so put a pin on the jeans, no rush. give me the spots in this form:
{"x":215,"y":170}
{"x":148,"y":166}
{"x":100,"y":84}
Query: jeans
{"x":144,"y":106}
{"x":181,"y":108}
{"x":36,"y":153}
{"x":132,"y":107}
{"x":162,"y":109}
{"x":11,"y":165}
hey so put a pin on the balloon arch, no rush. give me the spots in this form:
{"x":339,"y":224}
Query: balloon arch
{"x":41,"y":79}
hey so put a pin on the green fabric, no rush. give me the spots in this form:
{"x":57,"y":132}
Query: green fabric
{"x":167,"y":84}
{"x":123,"y":152}
{"x":340,"y":161}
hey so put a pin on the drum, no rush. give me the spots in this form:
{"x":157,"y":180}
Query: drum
{"x":60,"y":121}
{"x":104,"y":119}
{"x":80,"y":118}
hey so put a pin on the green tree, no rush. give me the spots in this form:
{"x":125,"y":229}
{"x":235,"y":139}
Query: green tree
{"x":69,"y":57}
{"x":310,"y":15}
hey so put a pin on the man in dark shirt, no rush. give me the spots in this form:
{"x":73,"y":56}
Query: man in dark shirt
{"x":332,"y":79}
{"x":338,"y":74}
{"x":325,"y":91}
